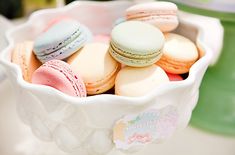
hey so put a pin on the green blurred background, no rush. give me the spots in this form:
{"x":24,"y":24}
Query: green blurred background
{"x":18,"y":8}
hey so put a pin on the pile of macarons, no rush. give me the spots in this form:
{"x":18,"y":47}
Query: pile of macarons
{"x":140,"y":54}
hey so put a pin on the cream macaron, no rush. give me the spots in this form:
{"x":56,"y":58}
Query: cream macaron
{"x":179,"y":54}
{"x":132,"y":81}
{"x":96,"y":67}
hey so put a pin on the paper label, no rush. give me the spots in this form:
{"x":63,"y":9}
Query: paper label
{"x":149,"y":126}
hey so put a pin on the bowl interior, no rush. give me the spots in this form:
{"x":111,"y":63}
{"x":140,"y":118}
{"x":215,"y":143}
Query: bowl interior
{"x":99,"y":19}
{"x":85,"y":14}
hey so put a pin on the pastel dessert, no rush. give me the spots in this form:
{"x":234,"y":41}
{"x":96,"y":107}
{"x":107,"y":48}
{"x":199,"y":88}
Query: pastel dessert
{"x":61,"y":40}
{"x":95,"y":65}
{"x":59,"y":75}
{"x":174,"y":77}
{"x":161,"y":14}
{"x":132,"y":81}
{"x":136,"y":44}
{"x":23,"y":56}
{"x":179,"y":54}
{"x":101,"y":38}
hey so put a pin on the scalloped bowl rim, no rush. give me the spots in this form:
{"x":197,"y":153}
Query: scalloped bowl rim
{"x":202,"y":62}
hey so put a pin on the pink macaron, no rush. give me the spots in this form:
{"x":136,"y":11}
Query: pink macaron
{"x":59,"y":75}
{"x":160,"y":14}
{"x":174,"y":77}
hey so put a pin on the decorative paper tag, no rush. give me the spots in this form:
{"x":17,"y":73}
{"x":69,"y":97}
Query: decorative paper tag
{"x":149,"y":126}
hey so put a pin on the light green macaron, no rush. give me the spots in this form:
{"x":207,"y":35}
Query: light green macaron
{"x":136,"y":44}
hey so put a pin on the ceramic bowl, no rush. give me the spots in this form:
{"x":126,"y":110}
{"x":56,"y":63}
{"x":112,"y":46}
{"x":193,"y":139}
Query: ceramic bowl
{"x":85,"y":125}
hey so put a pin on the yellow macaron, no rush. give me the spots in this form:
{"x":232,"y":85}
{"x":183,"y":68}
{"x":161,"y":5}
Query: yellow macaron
{"x":132,"y":81}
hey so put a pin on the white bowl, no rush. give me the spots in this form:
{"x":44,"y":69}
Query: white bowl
{"x":85,"y":125}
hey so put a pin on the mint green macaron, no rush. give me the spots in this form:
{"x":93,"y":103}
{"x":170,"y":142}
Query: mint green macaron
{"x":136,"y":44}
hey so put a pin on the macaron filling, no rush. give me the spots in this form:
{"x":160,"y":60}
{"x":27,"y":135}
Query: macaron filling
{"x":57,"y":36}
{"x":129,"y":54}
{"x":61,"y":40}
{"x":65,"y":51}
{"x":59,"y":45}
{"x":160,"y":18}
{"x":157,"y":13}
{"x":138,"y":61}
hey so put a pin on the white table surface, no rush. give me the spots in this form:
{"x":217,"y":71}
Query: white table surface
{"x":17,"y":139}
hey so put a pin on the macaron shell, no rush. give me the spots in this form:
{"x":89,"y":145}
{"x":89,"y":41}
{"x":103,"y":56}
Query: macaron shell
{"x":61,"y":40}
{"x":179,"y":47}
{"x":86,"y":31}
{"x":95,"y":65}
{"x":75,"y":79}
{"x":160,"y":14}
{"x":56,"y":37}
{"x":152,"y":7}
{"x":136,"y":44}
{"x":103,"y":86}
{"x":179,"y":54}
{"x":132,"y":81}
{"x":57,"y":74}
{"x":65,"y":51}
{"x":23,"y":56}
{"x":134,"y":62}
{"x":51,"y":77}
{"x":137,"y":37}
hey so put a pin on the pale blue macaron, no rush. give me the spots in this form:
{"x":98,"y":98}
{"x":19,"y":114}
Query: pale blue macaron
{"x":61,"y":40}
{"x":136,"y":44}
